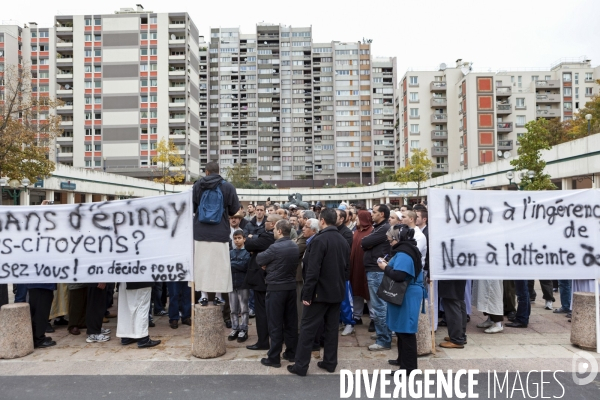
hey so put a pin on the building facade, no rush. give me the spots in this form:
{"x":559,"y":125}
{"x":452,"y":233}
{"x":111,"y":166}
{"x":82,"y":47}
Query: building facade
{"x":466,"y":119}
{"x":295,"y":110}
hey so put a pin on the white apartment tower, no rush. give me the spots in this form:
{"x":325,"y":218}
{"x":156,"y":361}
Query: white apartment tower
{"x":298,"y":110}
{"x":466,"y":118}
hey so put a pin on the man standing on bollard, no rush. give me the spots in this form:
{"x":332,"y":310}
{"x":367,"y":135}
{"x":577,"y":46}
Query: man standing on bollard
{"x":280,"y":262}
{"x":215,"y":200}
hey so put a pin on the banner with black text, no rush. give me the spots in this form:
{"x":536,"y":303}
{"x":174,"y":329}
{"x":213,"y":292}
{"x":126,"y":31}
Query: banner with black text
{"x":136,"y":240}
{"x":484,"y":234}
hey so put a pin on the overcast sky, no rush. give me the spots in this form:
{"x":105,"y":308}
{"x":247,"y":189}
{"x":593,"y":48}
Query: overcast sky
{"x":420,"y":33}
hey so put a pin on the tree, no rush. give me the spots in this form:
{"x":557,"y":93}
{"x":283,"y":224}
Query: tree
{"x":28,"y":127}
{"x":530,"y":157}
{"x":239,"y":175}
{"x":579,"y":126}
{"x":169,"y":162}
{"x":386,"y":174}
{"x":418,"y":169}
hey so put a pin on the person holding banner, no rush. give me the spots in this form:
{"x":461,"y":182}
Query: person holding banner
{"x":215,"y":200}
{"x":452,"y":293}
{"x":40,"y":302}
{"x":489,"y":299}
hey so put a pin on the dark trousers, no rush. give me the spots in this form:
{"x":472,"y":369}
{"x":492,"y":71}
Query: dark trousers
{"x":3,"y":294}
{"x":456,"y":318}
{"x":546,"y":290}
{"x":95,"y":309}
{"x":179,"y":292}
{"x":510,"y":294}
{"x":524,"y":304}
{"x":77,"y":306}
{"x":40,"y":303}
{"x":312,"y":317}
{"x":156,"y":296}
{"x":282,"y":319}
{"x":110,"y":293}
{"x":262,"y":325}
{"x":21,"y":293}
{"x":407,"y":351}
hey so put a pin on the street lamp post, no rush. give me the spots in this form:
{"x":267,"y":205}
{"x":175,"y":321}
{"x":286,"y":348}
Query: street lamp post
{"x":104,"y":163}
{"x":14,"y":191}
{"x":589,"y":120}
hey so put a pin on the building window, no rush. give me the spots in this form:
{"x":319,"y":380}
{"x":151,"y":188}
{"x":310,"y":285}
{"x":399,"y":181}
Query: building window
{"x":414,"y":97}
{"x":97,"y":22}
{"x":567,"y":77}
{"x":568,"y":91}
{"x":414,"y":80}
{"x":88,"y":22}
{"x":520,"y":120}
{"x":87,"y":38}
{"x":414,"y":112}
{"x":414,"y":144}
{"x":414,"y":128}
{"x":589,"y":91}
{"x":520,"y":103}
{"x":577,"y":78}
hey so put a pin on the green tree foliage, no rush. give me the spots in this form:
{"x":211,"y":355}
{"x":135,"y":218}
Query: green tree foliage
{"x":530,"y":157}
{"x":579,"y":126}
{"x":239,"y":175}
{"x":386,"y":174}
{"x":417,"y":170}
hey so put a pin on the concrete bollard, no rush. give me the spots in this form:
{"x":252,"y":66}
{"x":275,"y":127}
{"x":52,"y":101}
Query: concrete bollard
{"x":16,"y":335}
{"x":583,"y":321}
{"x":424,"y":334}
{"x":208,"y":337}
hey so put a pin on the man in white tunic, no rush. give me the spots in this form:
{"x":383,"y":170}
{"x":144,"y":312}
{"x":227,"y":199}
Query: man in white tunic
{"x":489,"y":299}
{"x":134,"y":311}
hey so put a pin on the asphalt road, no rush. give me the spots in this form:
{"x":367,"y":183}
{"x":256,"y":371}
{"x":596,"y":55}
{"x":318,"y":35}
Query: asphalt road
{"x":250,"y":387}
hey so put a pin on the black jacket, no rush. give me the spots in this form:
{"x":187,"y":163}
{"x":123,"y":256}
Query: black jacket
{"x":255,"y":277}
{"x":454,"y":290}
{"x":251,"y":228}
{"x":240,"y":259}
{"x":375,"y":245}
{"x":346,"y":233}
{"x":281,"y":259}
{"x":326,"y":267}
{"x":215,"y":233}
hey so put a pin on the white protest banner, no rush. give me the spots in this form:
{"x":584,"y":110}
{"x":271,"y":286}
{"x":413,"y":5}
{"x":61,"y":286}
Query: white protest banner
{"x":514,"y":234}
{"x":138,"y":240}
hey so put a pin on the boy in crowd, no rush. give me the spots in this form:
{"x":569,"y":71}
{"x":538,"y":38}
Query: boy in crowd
{"x":238,"y":299}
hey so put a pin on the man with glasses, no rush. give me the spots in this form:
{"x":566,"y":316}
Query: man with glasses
{"x":255,"y":279}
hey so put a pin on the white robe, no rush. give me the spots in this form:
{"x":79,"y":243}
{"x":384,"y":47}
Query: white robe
{"x":488,"y":296}
{"x":212,"y":267}
{"x":582,"y":285}
{"x":134,"y":309}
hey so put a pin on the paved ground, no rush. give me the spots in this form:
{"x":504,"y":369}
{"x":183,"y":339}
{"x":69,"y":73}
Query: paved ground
{"x":544,"y":344}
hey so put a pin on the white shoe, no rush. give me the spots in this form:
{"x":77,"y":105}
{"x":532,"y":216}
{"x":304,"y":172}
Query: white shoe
{"x":374,"y":336}
{"x":494,"y":329}
{"x":376,"y":347}
{"x":105,"y":331}
{"x":348,"y":330}
{"x":485,"y":324}
{"x":97,"y":338}
{"x":548,"y":305}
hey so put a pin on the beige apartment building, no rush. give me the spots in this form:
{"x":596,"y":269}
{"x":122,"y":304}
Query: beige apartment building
{"x":466,"y":118}
{"x":296,"y":111}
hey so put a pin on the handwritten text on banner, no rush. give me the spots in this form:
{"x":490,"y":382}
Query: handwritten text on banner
{"x":514,"y":234}
{"x":137,"y":240}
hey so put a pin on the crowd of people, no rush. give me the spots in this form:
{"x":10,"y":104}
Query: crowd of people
{"x":307,"y":276}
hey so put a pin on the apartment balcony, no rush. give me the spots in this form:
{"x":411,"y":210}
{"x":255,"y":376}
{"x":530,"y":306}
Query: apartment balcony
{"x":504,"y":127}
{"x":64,"y":60}
{"x":176,"y":26}
{"x":66,"y":123}
{"x":437,"y":167}
{"x":177,"y":41}
{"x":552,"y":113}
{"x":437,"y":87}
{"x":439,"y":151}
{"x":547,"y":84}
{"x":177,"y":73}
{"x":177,"y":120}
{"x":438,"y":102}
{"x":64,"y":76}
{"x":548,"y":98}
{"x":64,"y":29}
{"x":176,"y":88}
{"x":503,"y":91}
{"x":439,"y":135}
{"x":177,"y":104}
{"x":64,"y":45}
{"x":503,"y":109}
{"x":65,"y":107}
{"x":177,"y":57}
{"x":439,"y":118}
{"x":64,"y":91}
{"x":505,"y":145}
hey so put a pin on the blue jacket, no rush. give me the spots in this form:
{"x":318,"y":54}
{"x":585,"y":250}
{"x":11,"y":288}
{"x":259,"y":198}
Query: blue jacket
{"x":240,"y":259}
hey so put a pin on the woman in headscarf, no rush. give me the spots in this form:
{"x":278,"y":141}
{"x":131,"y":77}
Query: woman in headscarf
{"x":358,"y":276}
{"x":405,"y":265}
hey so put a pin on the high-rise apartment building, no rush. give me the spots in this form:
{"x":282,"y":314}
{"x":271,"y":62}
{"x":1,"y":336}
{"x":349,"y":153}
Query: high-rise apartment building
{"x":465,"y":118}
{"x":298,"y":110}
{"x":127,"y":80}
